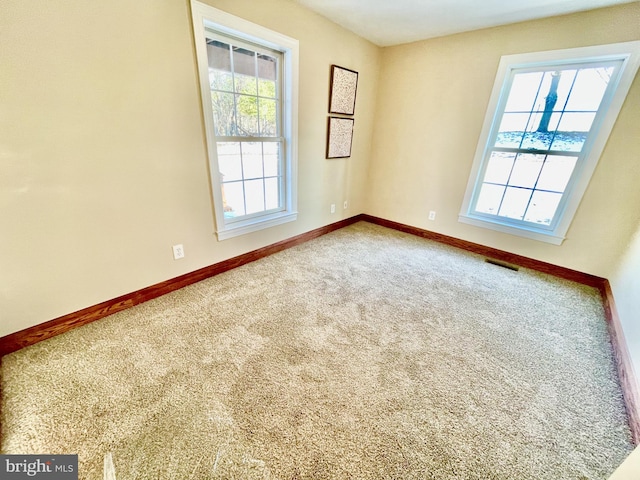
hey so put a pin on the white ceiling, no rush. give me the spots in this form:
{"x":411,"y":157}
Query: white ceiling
{"x":391,"y":22}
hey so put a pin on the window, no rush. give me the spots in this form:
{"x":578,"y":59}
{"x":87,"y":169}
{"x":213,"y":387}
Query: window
{"x":548,"y":120}
{"x":248,"y":80}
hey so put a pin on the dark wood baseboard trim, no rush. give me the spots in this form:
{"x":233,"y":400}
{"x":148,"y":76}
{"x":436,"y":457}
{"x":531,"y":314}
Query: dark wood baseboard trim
{"x":630,"y":387}
{"x":494,"y":253}
{"x":628,"y":380}
{"x":29,"y":336}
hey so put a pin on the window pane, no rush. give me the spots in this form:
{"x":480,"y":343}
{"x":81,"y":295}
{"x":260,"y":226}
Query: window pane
{"x":267,"y":88}
{"x":268,"y":117}
{"x":511,"y":129}
{"x":572,"y":131}
{"x":244,"y":62}
{"x":490,"y":198}
{"x":499,"y":167}
{"x":254,"y":194}
{"x":523,"y":92}
{"x":246,"y":85}
{"x":267,"y":68}
{"x":556,"y":173}
{"x":543,"y":207}
{"x":515,"y":202}
{"x":220,"y":80}
{"x":229,"y":161}
{"x":271,"y":159}
{"x":526,"y":170}
{"x":514,"y":122}
{"x":272,"y":193}
{"x":223,"y":113}
{"x":247,"y":115}
{"x":233,"y":199}
{"x":589,"y":88}
{"x":252,"y":160}
{"x":218,"y":55}
{"x":576,"y":122}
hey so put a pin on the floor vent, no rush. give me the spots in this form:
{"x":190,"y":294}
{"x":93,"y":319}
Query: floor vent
{"x":502,"y":264}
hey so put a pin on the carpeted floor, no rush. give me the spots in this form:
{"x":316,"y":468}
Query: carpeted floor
{"x":364,"y":354}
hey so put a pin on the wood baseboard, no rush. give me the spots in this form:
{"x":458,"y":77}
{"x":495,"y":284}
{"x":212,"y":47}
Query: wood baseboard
{"x":494,"y":253}
{"x":628,"y":379}
{"x":29,"y":336}
{"x":630,"y":387}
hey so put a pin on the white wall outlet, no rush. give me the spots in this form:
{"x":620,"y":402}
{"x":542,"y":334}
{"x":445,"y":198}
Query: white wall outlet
{"x":345,"y":204}
{"x":432,"y":215}
{"x":178,"y":252}
{"x":333,"y":208}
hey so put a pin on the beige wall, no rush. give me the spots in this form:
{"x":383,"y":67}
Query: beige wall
{"x":432,"y":101}
{"x":630,"y":467}
{"x":625,"y":283}
{"x":102,"y":156}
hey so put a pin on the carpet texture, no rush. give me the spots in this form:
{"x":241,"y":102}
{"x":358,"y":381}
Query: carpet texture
{"x":364,"y":354}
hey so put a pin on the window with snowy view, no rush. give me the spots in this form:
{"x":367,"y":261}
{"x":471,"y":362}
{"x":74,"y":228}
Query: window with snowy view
{"x":540,"y":143}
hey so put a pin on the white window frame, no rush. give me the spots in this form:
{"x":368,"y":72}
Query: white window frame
{"x":629,"y":53}
{"x":209,"y":18}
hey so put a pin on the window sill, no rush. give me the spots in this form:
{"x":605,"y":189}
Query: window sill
{"x":542,"y":236}
{"x":255,"y":224}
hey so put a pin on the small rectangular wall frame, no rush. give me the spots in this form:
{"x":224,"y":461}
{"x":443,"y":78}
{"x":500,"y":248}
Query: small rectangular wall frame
{"x":339,"y":137}
{"x":342,"y":97}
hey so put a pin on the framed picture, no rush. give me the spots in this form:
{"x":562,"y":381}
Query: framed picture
{"x":339,"y":137}
{"x":342,"y":96}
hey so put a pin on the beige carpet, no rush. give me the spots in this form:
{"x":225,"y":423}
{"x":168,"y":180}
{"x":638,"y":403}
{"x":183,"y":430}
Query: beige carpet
{"x":364,"y":354}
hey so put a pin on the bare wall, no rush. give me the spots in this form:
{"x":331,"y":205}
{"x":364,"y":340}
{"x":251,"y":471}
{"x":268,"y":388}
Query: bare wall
{"x":432,"y":101}
{"x":102,"y":154}
{"x":625,"y":284}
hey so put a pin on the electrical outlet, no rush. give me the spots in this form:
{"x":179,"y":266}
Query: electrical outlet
{"x":432,"y":215}
{"x":345,"y":204}
{"x":178,"y":252}
{"x":333,"y":208}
